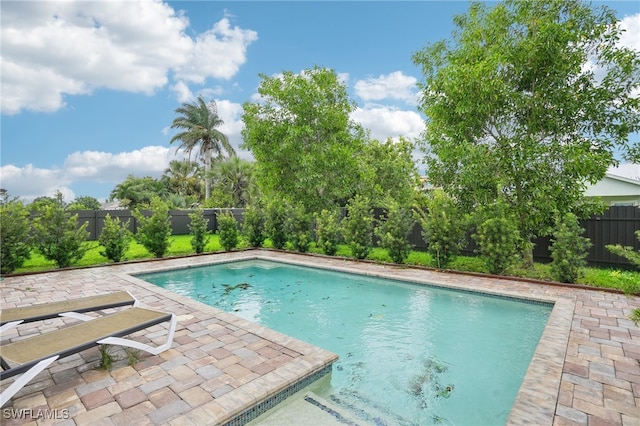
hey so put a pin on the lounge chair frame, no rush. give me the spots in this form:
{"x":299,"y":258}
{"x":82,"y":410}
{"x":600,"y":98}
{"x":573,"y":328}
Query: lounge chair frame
{"x":12,"y":317}
{"x":40,"y":361}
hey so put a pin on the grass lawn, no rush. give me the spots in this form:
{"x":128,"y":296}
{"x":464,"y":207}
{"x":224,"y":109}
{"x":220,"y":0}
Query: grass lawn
{"x":627,"y":281}
{"x":180,"y":245}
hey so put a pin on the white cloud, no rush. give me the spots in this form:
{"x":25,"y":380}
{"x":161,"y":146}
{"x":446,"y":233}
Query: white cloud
{"x":391,"y":86}
{"x":86,"y":166}
{"x":343,"y":77}
{"x":183,"y":93}
{"x":217,"y":53}
{"x":53,"y":49}
{"x":631,"y":36}
{"x":31,"y":182}
{"x":385,"y":122}
{"x":231,"y":114}
{"x":107,"y":167}
{"x":37,"y":89}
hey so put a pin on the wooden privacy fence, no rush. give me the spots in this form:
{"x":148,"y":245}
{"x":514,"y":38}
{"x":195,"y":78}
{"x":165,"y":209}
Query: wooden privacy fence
{"x":617,"y":225}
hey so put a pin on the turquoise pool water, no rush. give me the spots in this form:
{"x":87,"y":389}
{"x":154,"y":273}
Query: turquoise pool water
{"x":409,"y":354}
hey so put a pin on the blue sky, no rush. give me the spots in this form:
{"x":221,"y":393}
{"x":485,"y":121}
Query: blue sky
{"x":89,"y":89}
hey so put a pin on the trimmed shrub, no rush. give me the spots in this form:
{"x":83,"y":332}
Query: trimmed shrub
{"x":498,"y":238}
{"x":358,"y":227}
{"x":57,"y":236}
{"x":443,"y":227}
{"x":568,"y":249}
{"x":154,"y":231}
{"x":298,"y":228}
{"x":228,"y":230}
{"x":253,"y":226}
{"x":115,"y":238}
{"x":394,"y":232}
{"x":14,"y":235}
{"x":328,"y":232}
{"x":198,"y":230}
{"x":275,"y":219}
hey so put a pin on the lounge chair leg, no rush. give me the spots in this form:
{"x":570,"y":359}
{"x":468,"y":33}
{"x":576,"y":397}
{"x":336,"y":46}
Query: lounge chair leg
{"x":119,"y":341}
{"x":25,"y":378}
{"x":9,"y":325}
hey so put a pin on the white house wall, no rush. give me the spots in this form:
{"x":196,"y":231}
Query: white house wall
{"x":616,"y":191}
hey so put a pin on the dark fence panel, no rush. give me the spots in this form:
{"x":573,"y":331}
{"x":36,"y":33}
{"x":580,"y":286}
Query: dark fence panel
{"x":617,"y":225}
{"x":415,"y":237}
{"x":179,"y":219}
{"x":89,"y":217}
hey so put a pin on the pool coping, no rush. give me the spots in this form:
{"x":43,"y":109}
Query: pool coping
{"x":264,"y":392}
{"x":544,"y":372}
{"x":572,"y":358}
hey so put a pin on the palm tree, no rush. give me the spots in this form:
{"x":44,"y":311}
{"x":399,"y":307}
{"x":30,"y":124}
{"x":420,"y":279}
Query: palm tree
{"x":182,"y":177}
{"x":198,"y":121}
{"x":235,"y":177}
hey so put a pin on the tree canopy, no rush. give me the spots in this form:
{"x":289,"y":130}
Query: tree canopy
{"x":85,"y":202}
{"x":134,"y":192}
{"x":529,"y":101}
{"x":388,"y":173}
{"x":233,"y":181}
{"x":183,"y":178}
{"x":302,"y":138}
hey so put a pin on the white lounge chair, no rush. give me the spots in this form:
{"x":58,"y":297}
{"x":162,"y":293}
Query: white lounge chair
{"x":31,"y":356}
{"x":73,"y":308}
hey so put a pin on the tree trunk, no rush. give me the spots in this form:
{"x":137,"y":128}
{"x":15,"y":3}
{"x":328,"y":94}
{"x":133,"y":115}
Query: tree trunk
{"x":527,"y":254}
{"x":207,"y":178}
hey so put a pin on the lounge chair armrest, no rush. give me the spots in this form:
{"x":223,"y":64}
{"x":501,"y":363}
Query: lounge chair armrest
{"x":136,"y":302}
{"x":119,"y":341}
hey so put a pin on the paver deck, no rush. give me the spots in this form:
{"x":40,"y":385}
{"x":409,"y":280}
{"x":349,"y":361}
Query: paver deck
{"x":585,"y":371}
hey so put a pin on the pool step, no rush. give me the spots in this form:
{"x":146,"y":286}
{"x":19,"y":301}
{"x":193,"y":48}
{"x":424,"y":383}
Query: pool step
{"x":307,"y":409}
{"x":367,"y":411}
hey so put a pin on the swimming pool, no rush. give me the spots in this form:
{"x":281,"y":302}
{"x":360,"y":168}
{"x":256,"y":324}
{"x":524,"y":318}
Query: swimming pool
{"x":409,"y":354}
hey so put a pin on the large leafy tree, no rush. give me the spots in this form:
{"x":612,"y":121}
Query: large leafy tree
{"x":388,"y":173}
{"x":529,"y":101}
{"x":198,"y":122}
{"x":303,"y":141}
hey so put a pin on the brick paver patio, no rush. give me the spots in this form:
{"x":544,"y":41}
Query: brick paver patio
{"x":586,"y":369}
